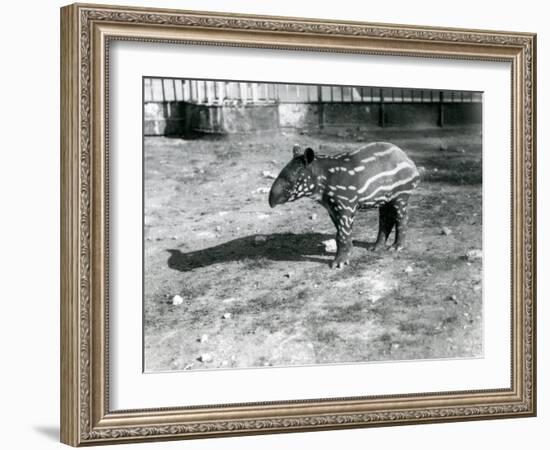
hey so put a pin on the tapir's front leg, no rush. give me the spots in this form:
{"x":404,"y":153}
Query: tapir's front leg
{"x":344,"y":225}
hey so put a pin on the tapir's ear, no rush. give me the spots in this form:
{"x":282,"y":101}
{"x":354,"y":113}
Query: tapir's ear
{"x":296,"y":150}
{"x":309,"y":155}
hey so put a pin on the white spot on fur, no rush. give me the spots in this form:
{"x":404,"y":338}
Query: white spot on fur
{"x":367,"y":160}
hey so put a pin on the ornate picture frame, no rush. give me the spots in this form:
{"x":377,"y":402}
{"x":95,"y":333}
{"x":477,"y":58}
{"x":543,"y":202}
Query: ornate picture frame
{"x":86,"y":33}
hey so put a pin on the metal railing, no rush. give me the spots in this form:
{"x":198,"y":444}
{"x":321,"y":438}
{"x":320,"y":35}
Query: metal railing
{"x":209,"y":92}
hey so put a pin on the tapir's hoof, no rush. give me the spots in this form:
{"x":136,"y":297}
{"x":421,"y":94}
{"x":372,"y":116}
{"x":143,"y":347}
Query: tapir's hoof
{"x":339,"y":262}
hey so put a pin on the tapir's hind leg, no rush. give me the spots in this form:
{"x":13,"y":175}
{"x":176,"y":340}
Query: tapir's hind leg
{"x":386,"y":221}
{"x":399,"y":205}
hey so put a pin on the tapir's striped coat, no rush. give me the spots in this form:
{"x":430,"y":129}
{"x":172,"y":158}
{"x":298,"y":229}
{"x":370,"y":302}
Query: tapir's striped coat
{"x":379,"y":174}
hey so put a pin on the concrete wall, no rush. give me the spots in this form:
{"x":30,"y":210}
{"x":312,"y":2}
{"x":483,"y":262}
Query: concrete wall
{"x":180,"y":118}
{"x":164,"y":118}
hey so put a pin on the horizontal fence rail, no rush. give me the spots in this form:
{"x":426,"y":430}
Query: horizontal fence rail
{"x":207,"y":92}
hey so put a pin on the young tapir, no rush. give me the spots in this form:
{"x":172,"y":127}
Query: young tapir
{"x":378,"y":175}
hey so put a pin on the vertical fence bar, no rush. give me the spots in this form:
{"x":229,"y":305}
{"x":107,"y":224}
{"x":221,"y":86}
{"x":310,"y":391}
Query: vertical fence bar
{"x":185,"y":90}
{"x":162,"y":90}
{"x":222,"y":92}
{"x":206,"y":98}
{"x":242,"y":89}
{"x":441,"y":121}
{"x":320,"y":106}
{"x":382,"y":118}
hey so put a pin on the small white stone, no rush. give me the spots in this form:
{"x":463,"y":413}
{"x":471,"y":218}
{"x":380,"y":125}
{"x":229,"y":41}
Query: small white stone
{"x":227,"y":316}
{"x":262,"y":190}
{"x":268,"y":174}
{"x":330,"y":246}
{"x":206,"y":357}
{"x":218,"y":228}
{"x":177,"y":300}
{"x":408,"y":269}
{"x":313,"y":216}
{"x":204,"y":338}
{"x":446,"y":231}
{"x":474,"y":255}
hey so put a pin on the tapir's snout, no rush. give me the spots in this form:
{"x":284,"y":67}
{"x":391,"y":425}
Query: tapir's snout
{"x":277,"y":194}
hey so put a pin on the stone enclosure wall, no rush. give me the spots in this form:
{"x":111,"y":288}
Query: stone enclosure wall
{"x":181,"y":118}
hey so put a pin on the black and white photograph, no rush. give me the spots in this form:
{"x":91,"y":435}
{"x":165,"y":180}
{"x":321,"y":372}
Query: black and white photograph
{"x":290,"y":224}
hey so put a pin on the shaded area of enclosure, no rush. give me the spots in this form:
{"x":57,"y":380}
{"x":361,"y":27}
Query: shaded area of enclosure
{"x":275,"y":247}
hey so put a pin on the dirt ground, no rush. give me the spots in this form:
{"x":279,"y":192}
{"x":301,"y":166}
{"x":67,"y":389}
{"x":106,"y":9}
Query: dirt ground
{"x":255,"y":285}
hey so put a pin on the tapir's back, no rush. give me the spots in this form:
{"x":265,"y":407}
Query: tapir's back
{"x":374,"y":174}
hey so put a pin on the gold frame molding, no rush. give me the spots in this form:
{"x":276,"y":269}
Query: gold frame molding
{"x":86,"y":31}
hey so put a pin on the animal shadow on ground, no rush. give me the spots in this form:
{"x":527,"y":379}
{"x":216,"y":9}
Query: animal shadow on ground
{"x":275,"y":247}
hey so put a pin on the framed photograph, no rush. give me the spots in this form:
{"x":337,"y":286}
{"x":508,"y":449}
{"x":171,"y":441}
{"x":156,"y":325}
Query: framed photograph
{"x":278,"y":224}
